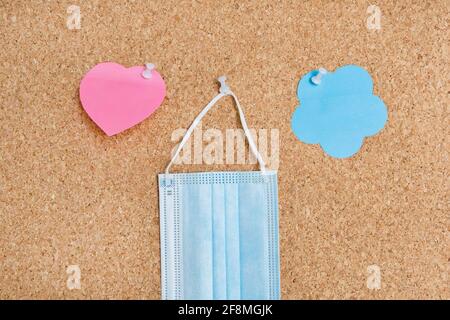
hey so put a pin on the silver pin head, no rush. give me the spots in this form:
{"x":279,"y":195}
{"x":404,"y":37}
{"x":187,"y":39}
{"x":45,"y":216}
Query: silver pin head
{"x":224,"y":88}
{"x":317,"y":79}
{"x":147,"y":73}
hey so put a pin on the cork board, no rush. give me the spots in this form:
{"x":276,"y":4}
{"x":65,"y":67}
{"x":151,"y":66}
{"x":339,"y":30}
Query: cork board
{"x":71,"y":196}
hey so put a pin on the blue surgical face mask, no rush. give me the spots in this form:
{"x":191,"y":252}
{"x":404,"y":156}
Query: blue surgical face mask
{"x":219,"y":230}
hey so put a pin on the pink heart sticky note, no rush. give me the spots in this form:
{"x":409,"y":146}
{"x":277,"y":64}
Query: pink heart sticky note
{"x":117,"y":98}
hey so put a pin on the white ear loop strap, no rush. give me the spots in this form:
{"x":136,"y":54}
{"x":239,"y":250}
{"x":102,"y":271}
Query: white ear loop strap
{"x":224,"y":91}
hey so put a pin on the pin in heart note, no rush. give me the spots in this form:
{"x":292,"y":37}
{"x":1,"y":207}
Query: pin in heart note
{"x":117,"y":98}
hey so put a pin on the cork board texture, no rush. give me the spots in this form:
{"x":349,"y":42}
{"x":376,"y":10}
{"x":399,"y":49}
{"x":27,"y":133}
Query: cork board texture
{"x":73,"y":199}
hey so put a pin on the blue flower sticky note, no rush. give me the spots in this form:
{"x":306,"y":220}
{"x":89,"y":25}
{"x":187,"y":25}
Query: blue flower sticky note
{"x":337,"y":110}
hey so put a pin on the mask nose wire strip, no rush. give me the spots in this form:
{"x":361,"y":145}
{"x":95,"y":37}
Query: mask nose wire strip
{"x":224,"y":91}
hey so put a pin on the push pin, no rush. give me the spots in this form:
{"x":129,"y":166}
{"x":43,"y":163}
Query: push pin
{"x":147,"y":73}
{"x":224,"y":88}
{"x":317,"y":79}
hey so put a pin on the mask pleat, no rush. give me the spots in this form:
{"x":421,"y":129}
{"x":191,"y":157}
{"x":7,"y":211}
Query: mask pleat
{"x":253,"y":237}
{"x":232,"y":242}
{"x":218,"y":235}
{"x":197,"y":243}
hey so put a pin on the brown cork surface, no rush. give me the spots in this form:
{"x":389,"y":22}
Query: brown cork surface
{"x":70,"y":195}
